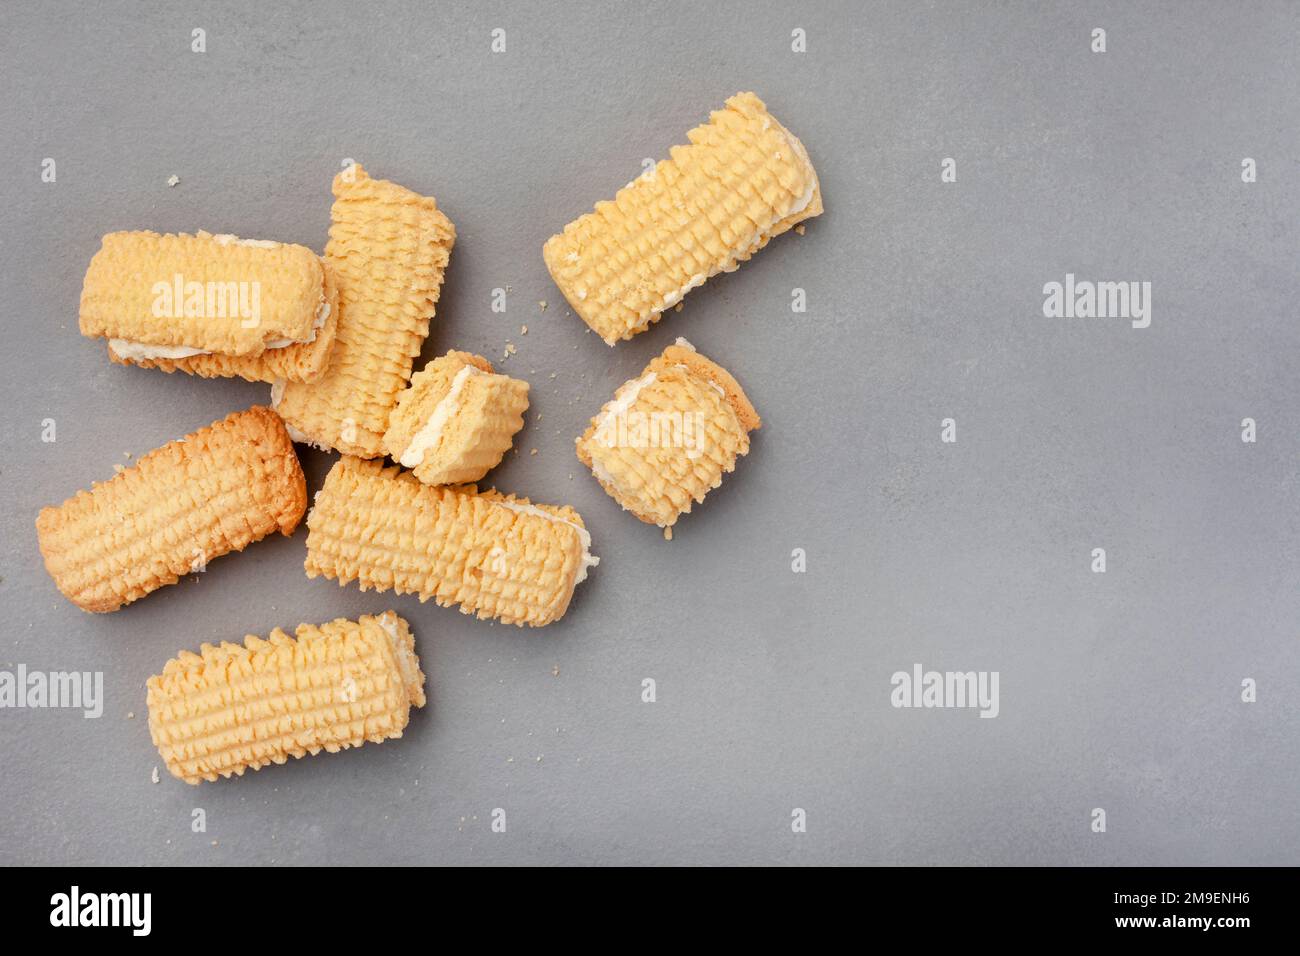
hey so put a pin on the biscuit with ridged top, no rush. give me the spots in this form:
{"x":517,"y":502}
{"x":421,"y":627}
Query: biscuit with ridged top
{"x":711,"y":205}
{"x":457,"y":419}
{"x":214,"y":491}
{"x":236,"y":707}
{"x":668,"y":436}
{"x":388,"y":248}
{"x":496,"y":556}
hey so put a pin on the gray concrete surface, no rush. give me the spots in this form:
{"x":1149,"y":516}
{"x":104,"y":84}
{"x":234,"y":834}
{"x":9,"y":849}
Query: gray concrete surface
{"x":1118,"y":690}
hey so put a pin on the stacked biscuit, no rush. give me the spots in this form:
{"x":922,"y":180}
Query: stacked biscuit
{"x":336,"y":336}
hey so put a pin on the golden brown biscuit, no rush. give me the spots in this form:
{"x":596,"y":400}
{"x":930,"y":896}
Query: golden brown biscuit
{"x":212,"y":492}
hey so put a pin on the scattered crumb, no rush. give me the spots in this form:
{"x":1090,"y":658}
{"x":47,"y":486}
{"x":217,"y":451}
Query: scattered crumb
{"x":126,"y":454}
{"x":668,"y":534}
{"x":533,"y":452}
{"x":799,"y":229}
{"x":541,"y":304}
{"x":539,"y":417}
{"x":153,"y":777}
{"x":555,"y":670}
{"x":130,"y":715}
{"x":214,"y":842}
{"x":118,"y":468}
{"x":510,"y":760}
{"x":570,"y":476}
{"x":679,"y":306}
{"x":523,"y":330}
{"x":173,"y":179}
{"x":510,"y":348}
{"x":539,"y":758}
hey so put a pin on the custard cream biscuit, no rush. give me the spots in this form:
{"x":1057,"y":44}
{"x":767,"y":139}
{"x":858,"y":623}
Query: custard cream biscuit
{"x":388,"y":249}
{"x":456,"y":420}
{"x":496,"y":556}
{"x":669,"y":435}
{"x":298,"y":362}
{"x":167,"y":297}
{"x":212,"y":492}
{"x":743,"y":179}
{"x":237,"y":707}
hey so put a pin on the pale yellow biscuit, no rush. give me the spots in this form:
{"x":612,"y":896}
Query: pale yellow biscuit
{"x":495,"y":556}
{"x":743,"y":179}
{"x":300,"y":362}
{"x":669,"y":435}
{"x":238,"y":707}
{"x":388,"y":249}
{"x":456,"y":420}
{"x":216,"y":294}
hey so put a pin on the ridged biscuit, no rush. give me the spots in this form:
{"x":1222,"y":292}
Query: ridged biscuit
{"x":238,"y":707}
{"x":388,"y":249}
{"x":669,"y":435}
{"x":214,"y":491}
{"x":743,"y":179}
{"x":457,"y":419}
{"x":495,"y":556}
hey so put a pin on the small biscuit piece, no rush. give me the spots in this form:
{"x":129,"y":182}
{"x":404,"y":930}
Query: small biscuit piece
{"x":456,"y":421}
{"x":743,"y":179}
{"x":212,"y":492}
{"x":240,"y":707}
{"x":496,"y":556}
{"x":388,"y":248}
{"x":178,"y":296}
{"x":298,"y":362}
{"x":668,"y":436}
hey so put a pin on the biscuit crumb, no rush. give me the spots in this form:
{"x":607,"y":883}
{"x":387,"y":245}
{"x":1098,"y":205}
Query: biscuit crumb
{"x":555,"y":670}
{"x":799,"y":229}
{"x":173,"y":179}
{"x":541,"y":304}
{"x":533,"y":452}
{"x":679,"y":306}
{"x":118,"y":468}
{"x":130,"y":715}
{"x":523,"y":330}
{"x":153,"y":777}
{"x":668,"y":534}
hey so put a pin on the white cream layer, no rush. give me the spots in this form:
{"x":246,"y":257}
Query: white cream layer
{"x":136,"y":351}
{"x":429,"y":436}
{"x":589,"y":560}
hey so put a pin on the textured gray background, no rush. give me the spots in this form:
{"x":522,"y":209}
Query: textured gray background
{"x":1118,"y":691}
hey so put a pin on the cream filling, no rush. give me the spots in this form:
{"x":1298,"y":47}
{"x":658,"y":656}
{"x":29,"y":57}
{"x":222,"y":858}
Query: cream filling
{"x":226,"y":239}
{"x":137,"y":351}
{"x":429,"y":436}
{"x":589,"y":560}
